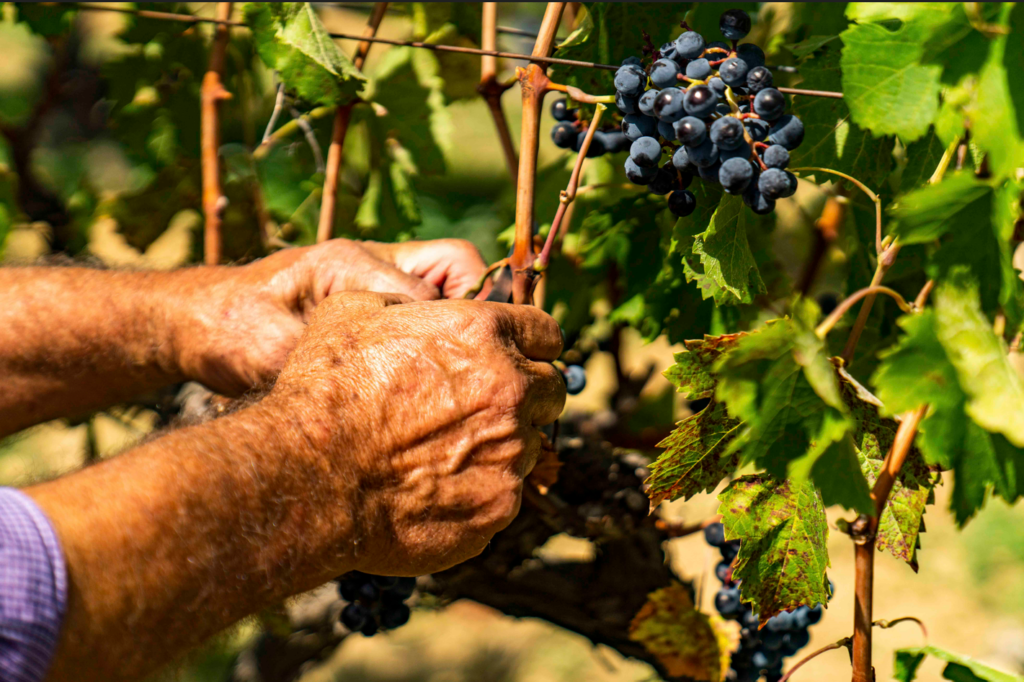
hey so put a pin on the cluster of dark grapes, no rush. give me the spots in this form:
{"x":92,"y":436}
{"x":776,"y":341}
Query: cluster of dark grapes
{"x":761,"y":652}
{"x":375,"y":601}
{"x":569,"y":132}
{"x":712,"y":108}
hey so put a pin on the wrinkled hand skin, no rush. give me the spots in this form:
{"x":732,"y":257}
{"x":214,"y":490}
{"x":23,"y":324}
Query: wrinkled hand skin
{"x":238,"y":325}
{"x":441,"y":401}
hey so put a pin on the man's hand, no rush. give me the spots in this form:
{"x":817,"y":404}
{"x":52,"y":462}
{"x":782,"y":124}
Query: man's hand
{"x":395,"y":441}
{"x":239,"y":324}
{"x":441,"y":402}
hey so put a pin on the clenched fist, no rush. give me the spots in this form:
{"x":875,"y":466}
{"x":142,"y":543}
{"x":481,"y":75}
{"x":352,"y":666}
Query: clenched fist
{"x":425,"y":415}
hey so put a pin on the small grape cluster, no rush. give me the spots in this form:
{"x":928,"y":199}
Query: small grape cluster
{"x":569,"y":132}
{"x":760,"y":651}
{"x":375,"y":601}
{"x":726,"y":125}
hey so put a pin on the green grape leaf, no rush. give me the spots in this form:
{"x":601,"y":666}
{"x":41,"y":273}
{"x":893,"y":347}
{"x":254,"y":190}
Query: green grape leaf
{"x":695,"y":458}
{"x":995,"y":392}
{"x":997,"y":114}
{"x":926,"y":214}
{"x":901,"y":521}
{"x":959,"y":668}
{"x":784,"y":537}
{"x":832,"y":139}
{"x":691,"y":373}
{"x":685,"y":641}
{"x":923,"y":157}
{"x":887,"y":87}
{"x":408,"y":87}
{"x":290,"y":39}
{"x":725,"y":254}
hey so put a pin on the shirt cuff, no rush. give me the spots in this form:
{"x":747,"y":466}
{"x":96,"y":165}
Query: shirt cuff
{"x":33,"y":589}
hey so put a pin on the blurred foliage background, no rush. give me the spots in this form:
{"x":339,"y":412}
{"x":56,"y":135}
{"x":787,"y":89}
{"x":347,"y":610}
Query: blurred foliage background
{"x":99,"y":161}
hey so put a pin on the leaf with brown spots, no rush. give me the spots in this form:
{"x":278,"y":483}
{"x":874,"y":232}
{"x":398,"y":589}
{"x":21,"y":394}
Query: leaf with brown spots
{"x":784,"y":537}
{"x":695,"y":459}
{"x":691,"y":374}
{"x":688,"y":643}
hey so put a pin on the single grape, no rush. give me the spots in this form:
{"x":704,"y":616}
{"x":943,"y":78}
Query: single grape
{"x":757,"y":128}
{"x":596,"y":143}
{"x":681,"y":161}
{"x":734,"y":72}
{"x":669,"y":105}
{"x":348,"y":588}
{"x":723,"y":109}
{"x":759,"y":78}
{"x":699,"y":101}
{"x":689,"y":45}
{"x":782,"y":622}
{"x":666,"y":131}
{"x":645,"y":152}
{"x":564,"y":135}
{"x":771,"y":641}
{"x":773,"y":183}
{"x":639,"y":175}
{"x":798,"y":639}
{"x":384,"y":582}
{"x":758,"y":203}
{"x":734,"y":24}
{"x":354,"y":616}
{"x":666,"y":180}
{"x":698,"y":69}
{"x":751,"y":54}
{"x":682,"y":202}
{"x":769,"y":104}
{"x":634,"y":61}
{"x":630,"y":80}
{"x":727,"y":601}
{"x":735,"y":175}
{"x":664,"y":72}
{"x":750,"y":620}
{"x":723,"y":570}
{"x":727,"y":132}
{"x":710,"y":173}
{"x":741,"y":152}
{"x":690,"y":131}
{"x":394,"y":617}
{"x":561,"y":111}
{"x":730,"y":549}
{"x":776,"y":156}
{"x":635,"y":126}
{"x":405,"y":587}
{"x":760,"y":660}
{"x":788,"y":131}
{"x":576,"y":376}
{"x":703,"y":155}
{"x":668,"y":50}
{"x":646,"y":102}
{"x":714,"y":534}
{"x":627,"y":105}
{"x":369,"y":628}
{"x":368,"y":592}
{"x":615,"y":142}
{"x":814,"y":615}
{"x":717,"y":85}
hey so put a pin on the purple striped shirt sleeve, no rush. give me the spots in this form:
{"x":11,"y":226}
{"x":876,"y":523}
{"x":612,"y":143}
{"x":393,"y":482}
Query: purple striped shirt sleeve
{"x":33,"y":589}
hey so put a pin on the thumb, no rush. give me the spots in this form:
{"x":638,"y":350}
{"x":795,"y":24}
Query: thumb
{"x":354,"y":303}
{"x":375,"y":275}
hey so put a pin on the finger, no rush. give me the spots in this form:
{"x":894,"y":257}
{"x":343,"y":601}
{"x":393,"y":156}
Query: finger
{"x":388,"y":278}
{"x":533,"y":331}
{"x":351,"y":303}
{"x":452,"y":265}
{"x":545,"y":397}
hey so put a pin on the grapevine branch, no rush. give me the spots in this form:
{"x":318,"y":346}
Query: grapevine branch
{"x":187,"y":18}
{"x":491,"y":89}
{"x":844,"y":642}
{"x":826,"y":325}
{"x":212,"y":94}
{"x":342,"y":116}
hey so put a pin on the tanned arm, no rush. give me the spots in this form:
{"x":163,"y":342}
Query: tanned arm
{"x":395,"y":441}
{"x":73,"y":340}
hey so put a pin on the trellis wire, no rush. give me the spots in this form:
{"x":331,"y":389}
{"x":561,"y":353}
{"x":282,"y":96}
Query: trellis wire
{"x":186,"y":18}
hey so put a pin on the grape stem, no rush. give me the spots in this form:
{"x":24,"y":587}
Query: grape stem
{"x":478,"y":287}
{"x":678,"y":530}
{"x":580,"y":96}
{"x":212,"y":94}
{"x":825,"y":327}
{"x":567,"y":195}
{"x":886,"y":624}
{"x":491,"y":89}
{"x":844,"y":642}
{"x":864,"y":188}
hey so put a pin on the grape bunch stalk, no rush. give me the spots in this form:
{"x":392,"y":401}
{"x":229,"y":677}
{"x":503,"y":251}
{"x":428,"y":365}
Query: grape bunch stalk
{"x":570,"y":130}
{"x":712,"y":108}
{"x":760,"y":652}
{"x":375,"y":601}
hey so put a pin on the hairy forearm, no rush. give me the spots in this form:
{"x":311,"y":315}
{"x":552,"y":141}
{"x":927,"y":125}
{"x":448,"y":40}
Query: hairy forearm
{"x":178,"y":539}
{"x":75,"y":339}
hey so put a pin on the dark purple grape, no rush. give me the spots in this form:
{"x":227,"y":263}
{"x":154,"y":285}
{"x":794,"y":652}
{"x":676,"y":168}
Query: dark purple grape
{"x":564,"y":135}
{"x":699,"y":101}
{"x":689,"y":45}
{"x":734,"y":72}
{"x":751,"y":54}
{"x":394,"y":616}
{"x":759,"y":78}
{"x":669,"y":105}
{"x":682,"y":203}
{"x":769,"y":104}
{"x":646,"y":102}
{"x":776,"y":156}
{"x":734,"y":24}
{"x":727,"y":133}
{"x":354,"y":616}
{"x":690,"y":131}
{"x":714,"y":534}
{"x":561,"y":111}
